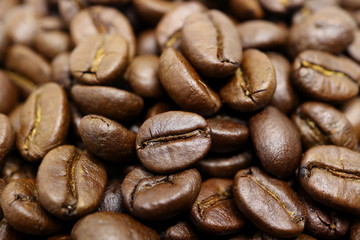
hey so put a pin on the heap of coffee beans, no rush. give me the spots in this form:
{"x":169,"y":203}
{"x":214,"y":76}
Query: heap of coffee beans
{"x":174,"y":120}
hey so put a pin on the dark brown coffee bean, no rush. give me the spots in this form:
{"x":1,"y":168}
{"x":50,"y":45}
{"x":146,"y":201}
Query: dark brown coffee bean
{"x":153,"y":197}
{"x":262,"y":34}
{"x":270,"y":204}
{"x":68,"y":9}
{"x":107,"y":139}
{"x":51,"y":23}
{"x":211,"y":43}
{"x":112,"y":199}
{"x":215,"y":211}
{"x":7,"y":136}
{"x":110,"y":102}
{"x":15,"y":117}
{"x":146,"y":43}
{"x":172,"y":135}
{"x":323,"y":222}
{"x":14,"y":167}
{"x":168,"y":30}
{"x":246,"y":9}
{"x":285,"y":98}
{"x":277,"y":142}
{"x":158,"y":108}
{"x":354,"y":48}
{"x":185,"y":86}
{"x":143,"y":76}
{"x":325,"y":77}
{"x":28,"y":63}
{"x":110,"y":225}
{"x":355,"y":231}
{"x":8,"y":93}
{"x":22,"y":209}
{"x":8,"y":232}
{"x":70,"y":183}
{"x":60,"y":66}
{"x":330,"y":29}
{"x":102,"y":20}
{"x":329,"y":174}
{"x":322,"y":124}
{"x":351,"y":111}
{"x":51,"y":43}
{"x":226,"y":134}
{"x":281,"y":6}
{"x":4,"y":40}
{"x":253,"y":84}
{"x":181,"y":230}
{"x":44,"y":122}
{"x":224,"y":166}
{"x":99,"y":59}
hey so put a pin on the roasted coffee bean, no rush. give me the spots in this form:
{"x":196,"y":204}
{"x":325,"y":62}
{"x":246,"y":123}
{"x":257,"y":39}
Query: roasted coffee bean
{"x":8,"y":232}
{"x":184,"y":85}
{"x":107,"y":139}
{"x":172,"y":141}
{"x":143,"y":76}
{"x":110,"y":225}
{"x":279,"y":6}
{"x":4,"y":40}
{"x":321,"y":124}
{"x":102,"y":20}
{"x":119,"y":105}
{"x":181,"y":230}
{"x":68,"y":9}
{"x":168,"y":30}
{"x":99,"y":59}
{"x":158,"y":108}
{"x":325,"y":77}
{"x":226,"y":134}
{"x":44,"y":122}
{"x":25,"y":85}
{"x":21,"y":207}
{"x":214,"y":211}
{"x":7,"y":136}
{"x":146,"y":43}
{"x":351,"y":111}
{"x":15,"y":117}
{"x":153,"y":197}
{"x":112,"y":199}
{"x":354,"y":48}
{"x":253,"y":84}
{"x":246,"y":9}
{"x":277,"y":142}
{"x":329,"y":174}
{"x":70,"y":183}
{"x":285,"y":98}
{"x":60,"y":66}
{"x":269,"y":203}
{"x":14,"y":167}
{"x":330,"y":29}
{"x":8,"y":94}
{"x":355,"y":231}
{"x":224,"y":166}
{"x":323,"y":222}
{"x":211,"y":43}
{"x":262,"y":34}
{"x":51,"y":23}
{"x":51,"y":43}
{"x":25,"y":61}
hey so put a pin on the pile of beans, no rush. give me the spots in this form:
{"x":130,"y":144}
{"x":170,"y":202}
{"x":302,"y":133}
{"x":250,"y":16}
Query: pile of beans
{"x":156,"y":119}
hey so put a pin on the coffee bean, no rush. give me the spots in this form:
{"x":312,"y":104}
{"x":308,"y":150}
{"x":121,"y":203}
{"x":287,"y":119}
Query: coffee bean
{"x":112,"y":200}
{"x":215,"y":211}
{"x":146,"y":43}
{"x":110,"y":102}
{"x":107,"y":139}
{"x":99,"y":59}
{"x":61,"y":74}
{"x":7,"y":136}
{"x":329,"y":175}
{"x":281,"y":7}
{"x":355,"y":231}
{"x":158,"y":108}
{"x":322,"y":124}
{"x":168,"y":30}
{"x":269,"y":203}
{"x":68,"y":9}
{"x":330,"y":29}
{"x":253,"y":85}
{"x":211,"y":43}
{"x":70,"y":183}
{"x":184,"y":85}
{"x":8,"y":232}
{"x":143,"y":76}
{"x":227,"y":135}
{"x":181,"y":230}
{"x":44,"y":122}
{"x":351,"y":111}
{"x":277,"y":142}
{"x":172,"y":141}
{"x":14,"y":167}
{"x":262,"y":34}
{"x":148,"y":196}
{"x":246,"y":9}
{"x":354,"y":48}
{"x":325,"y":77}
{"x":110,"y":225}
{"x":22,"y":209}
{"x":102,"y":20}
{"x":225,"y":166}
{"x":52,"y":43}
{"x":8,"y":94}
